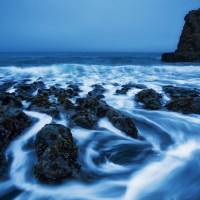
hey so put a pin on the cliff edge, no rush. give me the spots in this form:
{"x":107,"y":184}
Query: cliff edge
{"x":188,"y":49}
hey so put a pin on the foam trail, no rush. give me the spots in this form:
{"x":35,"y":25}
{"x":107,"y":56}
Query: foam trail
{"x":20,"y":155}
{"x":156,"y":172}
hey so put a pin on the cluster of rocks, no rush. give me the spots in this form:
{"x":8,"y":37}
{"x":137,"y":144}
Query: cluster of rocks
{"x":183,"y":100}
{"x":189,"y":44}
{"x":13,"y":121}
{"x":55,"y":148}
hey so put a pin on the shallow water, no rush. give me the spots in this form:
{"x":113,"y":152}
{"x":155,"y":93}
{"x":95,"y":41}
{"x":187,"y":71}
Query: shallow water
{"x":165,"y":165}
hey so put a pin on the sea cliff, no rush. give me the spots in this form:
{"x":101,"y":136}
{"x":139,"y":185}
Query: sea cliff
{"x":188,"y":49}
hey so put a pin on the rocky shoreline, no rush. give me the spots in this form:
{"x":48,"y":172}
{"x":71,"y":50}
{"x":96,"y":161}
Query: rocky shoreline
{"x":188,"y":49}
{"x":55,"y":147}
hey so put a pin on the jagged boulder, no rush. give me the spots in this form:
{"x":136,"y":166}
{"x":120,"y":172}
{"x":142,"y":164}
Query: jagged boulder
{"x":57,"y":154}
{"x":189,"y":44}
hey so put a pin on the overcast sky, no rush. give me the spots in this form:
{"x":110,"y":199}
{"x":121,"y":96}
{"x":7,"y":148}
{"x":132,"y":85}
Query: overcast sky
{"x":92,"y":25}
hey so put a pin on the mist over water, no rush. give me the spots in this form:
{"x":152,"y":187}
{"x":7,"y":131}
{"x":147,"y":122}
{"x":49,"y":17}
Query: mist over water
{"x":162,"y":166}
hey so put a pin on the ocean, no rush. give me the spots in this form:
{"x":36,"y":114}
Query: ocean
{"x":163,"y":165}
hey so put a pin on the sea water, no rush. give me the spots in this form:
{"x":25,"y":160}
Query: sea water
{"x":165,"y":165}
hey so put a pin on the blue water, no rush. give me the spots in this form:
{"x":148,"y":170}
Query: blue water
{"x":163,"y":166}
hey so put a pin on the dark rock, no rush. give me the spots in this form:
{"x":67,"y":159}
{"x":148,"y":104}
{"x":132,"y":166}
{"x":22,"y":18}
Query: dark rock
{"x":2,"y":163}
{"x":185,"y":105}
{"x":150,"y":98}
{"x":180,"y":91}
{"x":93,"y":105}
{"x":25,"y":91}
{"x":68,"y":93}
{"x":122,"y":91}
{"x":84,"y":119}
{"x":11,"y":101}
{"x":183,"y":100}
{"x":121,"y":122}
{"x":189,"y":44}
{"x":181,"y":57}
{"x":42,"y":104}
{"x":74,"y":87}
{"x":97,"y":92}
{"x":127,"y":87}
{"x":12,"y":124}
{"x":57,"y":154}
{"x":66,"y":103}
{"x":5,"y":86}
{"x":101,"y":109}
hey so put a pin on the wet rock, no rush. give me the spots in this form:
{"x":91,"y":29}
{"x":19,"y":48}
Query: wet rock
{"x":11,"y":101}
{"x":150,"y":98}
{"x":2,"y":163}
{"x":57,"y":154}
{"x":185,"y":105}
{"x":93,"y":105}
{"x":101,"y":109}
{"x":97,"y":92}
{"x":68,"y":93}
{"x":183,"y":100}
{"x":6,"y":85}
{"x":12,"y":123}
{"x":25,"y":91}
{"x":66,"y":103}
{"x":84,"y":119}
{"x":75,"y":87}
{"x":121,"y":122}
{"x":180,"y":91}
{"x":127,"y":87}
{"x":124,"y":90}
{"x":42,"y":104}
{"x":189,"y":44}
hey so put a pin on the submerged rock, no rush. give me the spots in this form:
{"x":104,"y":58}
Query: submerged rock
{"x":150,"y":98}
{"x":189,"y":44}
{"x":57,"y":154}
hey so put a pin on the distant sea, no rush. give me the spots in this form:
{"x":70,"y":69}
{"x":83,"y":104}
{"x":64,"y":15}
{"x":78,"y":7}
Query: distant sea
{"x":163,"y":166}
